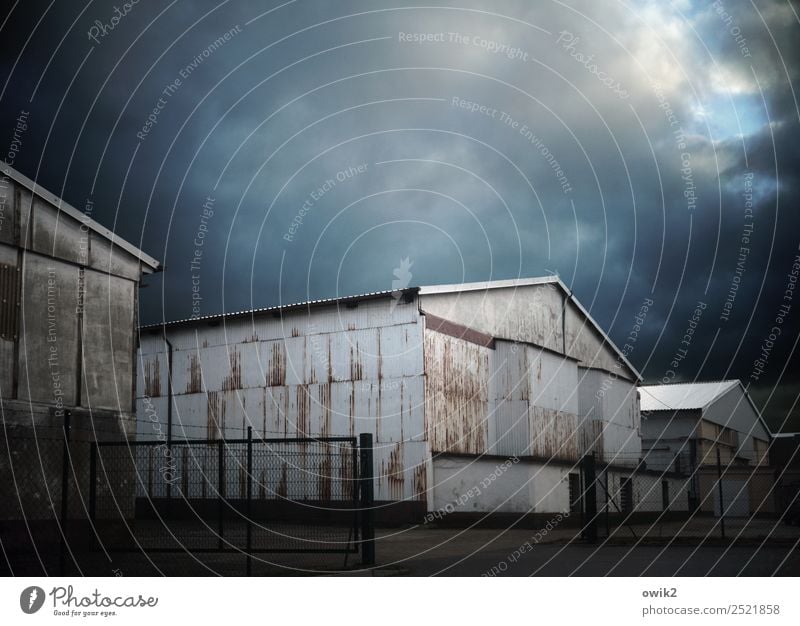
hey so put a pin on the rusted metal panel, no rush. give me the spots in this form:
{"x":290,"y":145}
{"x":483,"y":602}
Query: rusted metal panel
{"x":274,"y":355}
{"x":554,"y":434}
{"x":401,"y":353}
{"x":354,"y":355}
{"x":590,"y":433}
{"x":401,"y":471}
{"x":152,"y":378}
{"x":274,"y":408}
{"x":412,"y":407}
{"x":244,"y":368}
{"x":343,"y":401}
{"x":459,"y":331}
{"x":456,"y":394}
{"x":321,"y":407}
{"x":294,"y":349}
{"x":531,"y":313}
{"x":317,"y":358}
{"x":276,"y":325}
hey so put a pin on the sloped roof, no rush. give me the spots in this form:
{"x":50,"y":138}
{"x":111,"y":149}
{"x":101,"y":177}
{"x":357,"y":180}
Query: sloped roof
{"x":78,"y":215}
{"x":683,"y":396}
{"x":525,"y":282}
{"x":426,"y":290}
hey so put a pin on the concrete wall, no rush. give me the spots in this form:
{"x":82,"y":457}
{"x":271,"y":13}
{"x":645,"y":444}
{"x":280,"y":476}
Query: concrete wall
{"x":496,"y":485}
{"x":76,"y":299}
{"x":67,"y":297}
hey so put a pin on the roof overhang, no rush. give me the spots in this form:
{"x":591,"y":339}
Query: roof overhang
{"x":528,"y":282}
{"x":36,"y":189}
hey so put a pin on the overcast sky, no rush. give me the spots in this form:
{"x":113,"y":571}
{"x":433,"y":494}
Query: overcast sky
{"x":641,"y":150}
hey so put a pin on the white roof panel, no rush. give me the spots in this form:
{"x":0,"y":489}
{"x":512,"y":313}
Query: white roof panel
{"x":683,"y":396}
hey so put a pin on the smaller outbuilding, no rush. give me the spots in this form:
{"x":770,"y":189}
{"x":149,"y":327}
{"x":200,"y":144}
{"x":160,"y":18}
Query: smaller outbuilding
{"x":704,"y":430}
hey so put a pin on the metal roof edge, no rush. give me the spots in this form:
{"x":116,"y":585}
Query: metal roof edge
{"x":770,"y":434}
{"x":276,"y":308}
{"x":484,"y":285}
{"x":80,"y":216}
{"x":734,"y":382}
{"x":598,"y":328}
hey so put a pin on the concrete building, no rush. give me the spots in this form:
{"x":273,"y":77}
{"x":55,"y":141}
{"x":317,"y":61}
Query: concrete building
{"x":68,"y":340}
{"x":684,"y":425}
{"x":481,"y":397}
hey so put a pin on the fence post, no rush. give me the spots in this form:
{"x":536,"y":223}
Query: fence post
{"x":249,"y":498}
{"x":92,"y":479}
{"x":62,"y":553}
{"x":590,"y":498}
{"x":366,"y":490}
{"x":721,"y":503}
{"x":220,"y":490}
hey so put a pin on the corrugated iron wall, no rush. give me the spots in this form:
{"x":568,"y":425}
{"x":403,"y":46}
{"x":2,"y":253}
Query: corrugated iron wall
{"x":342,"y":370}
{"x":335,"y":371}
{"x":456,"y":394}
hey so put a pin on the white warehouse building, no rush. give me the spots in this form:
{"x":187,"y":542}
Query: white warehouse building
{"x":457,"y":384}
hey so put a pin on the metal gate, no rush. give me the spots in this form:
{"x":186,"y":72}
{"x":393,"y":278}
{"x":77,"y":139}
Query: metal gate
{"x":735,"y":498}
{"x":252,"y":495}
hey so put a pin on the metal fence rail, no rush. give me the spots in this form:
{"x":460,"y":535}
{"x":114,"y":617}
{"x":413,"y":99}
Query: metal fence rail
{"x":251,"y":495}
{"x":85,"y":499}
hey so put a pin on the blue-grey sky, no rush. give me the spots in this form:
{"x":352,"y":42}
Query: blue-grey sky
{"x":642,"y":150}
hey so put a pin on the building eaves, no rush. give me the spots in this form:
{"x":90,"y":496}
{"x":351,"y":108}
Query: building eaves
{"x":80,"y":216}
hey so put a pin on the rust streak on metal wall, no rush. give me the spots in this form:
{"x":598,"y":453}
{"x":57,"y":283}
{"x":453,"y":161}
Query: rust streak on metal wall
{"x":356,"y":368}
{"x":281,"y":489}
{"x":324,"y":399}
{"x":195,"y":375}
{"x":152,"y":377}
{"x":234,"y":379}
{"x":185,"y":473}
{"x":303,"y":411}
{"x":392,"y":471}
{"x":276,"y":368}
{"x":324,"y":477}
{"x":456,"y":394}
{"x":420,"y":482}
{"x":554,"y":434}
{"x":216,"y":415}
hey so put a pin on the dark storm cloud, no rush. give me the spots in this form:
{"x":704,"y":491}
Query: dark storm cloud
{"x":540,"y":138}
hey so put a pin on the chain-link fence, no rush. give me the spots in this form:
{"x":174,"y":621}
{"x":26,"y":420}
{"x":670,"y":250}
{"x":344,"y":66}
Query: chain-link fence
{"x":77,"y":506}
{"x":630,"y":502}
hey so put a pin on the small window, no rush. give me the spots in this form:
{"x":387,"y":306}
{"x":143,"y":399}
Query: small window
{"x":665,"y":495}
{"x":574,"y":493}
{"x":626,"y":494}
